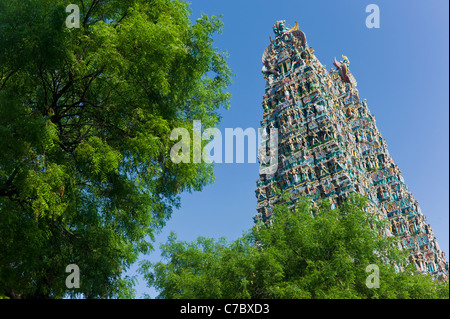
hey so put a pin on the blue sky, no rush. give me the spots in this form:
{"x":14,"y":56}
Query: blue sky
{"x":401,"y":69}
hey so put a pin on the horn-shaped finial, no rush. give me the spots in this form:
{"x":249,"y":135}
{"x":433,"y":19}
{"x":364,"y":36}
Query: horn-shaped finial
{"x":295,"y":28}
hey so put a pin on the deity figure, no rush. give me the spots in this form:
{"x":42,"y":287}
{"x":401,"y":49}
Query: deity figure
{"x":309,"y":110}
{"x":342,"y":69}
{"x":295,"y":175}
{"x":365,"y":103}
{"x":261,"y":194}
{"x":335,"y":164}
{"x":326,"y":133}
{"x":303,"y":173}
{"x":322,"y":169}
{"x":314,"y":138}
{"x":307,"y":190}
{"x":291,"y":145}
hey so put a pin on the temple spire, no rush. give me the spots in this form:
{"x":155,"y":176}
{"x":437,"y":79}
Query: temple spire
{"x":329,"y":146}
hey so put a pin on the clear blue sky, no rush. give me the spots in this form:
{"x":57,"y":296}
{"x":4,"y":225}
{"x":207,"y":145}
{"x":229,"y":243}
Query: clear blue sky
{"x":401,"y":69}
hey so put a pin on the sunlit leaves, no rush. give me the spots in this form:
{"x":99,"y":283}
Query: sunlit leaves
{"x":314,"y":252}
{"x":85,"y":120}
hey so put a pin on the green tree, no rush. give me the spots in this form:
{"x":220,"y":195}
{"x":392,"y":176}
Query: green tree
{"x":313,"y":252}
{"x":85,"y":120}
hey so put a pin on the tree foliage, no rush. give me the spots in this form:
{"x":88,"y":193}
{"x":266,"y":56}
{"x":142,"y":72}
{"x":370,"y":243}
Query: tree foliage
{"x":314,"y":252}
{"x":85,"y":119}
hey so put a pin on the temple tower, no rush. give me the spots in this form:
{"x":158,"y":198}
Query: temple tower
{"x":329,"y":145}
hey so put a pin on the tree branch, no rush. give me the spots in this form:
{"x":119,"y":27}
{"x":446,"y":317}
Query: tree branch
{"x":6,"y":79}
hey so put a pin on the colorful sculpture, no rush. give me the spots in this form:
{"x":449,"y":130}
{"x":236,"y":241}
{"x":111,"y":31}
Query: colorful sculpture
{"x":329,"y":145}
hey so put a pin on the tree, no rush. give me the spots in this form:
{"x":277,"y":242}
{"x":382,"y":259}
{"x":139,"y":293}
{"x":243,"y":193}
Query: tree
{"x":314,"y":252}
{"x":85,"y":120}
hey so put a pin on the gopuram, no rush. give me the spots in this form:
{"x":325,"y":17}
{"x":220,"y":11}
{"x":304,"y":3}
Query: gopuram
{"x":329,"y":146}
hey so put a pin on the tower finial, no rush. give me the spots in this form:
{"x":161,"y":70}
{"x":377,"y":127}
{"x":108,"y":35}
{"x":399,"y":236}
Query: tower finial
{"x":295,"y":28}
